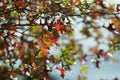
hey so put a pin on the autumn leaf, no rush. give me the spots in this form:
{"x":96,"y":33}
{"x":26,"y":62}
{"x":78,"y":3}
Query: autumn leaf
{"x":97,"y":64}
{"x":34,"y":65}
{"x":84,"y":69}
{"x":118,"y":8}
{"x":76,"y":2}
{"x":100,"y":52}
{"x":98,"y":1}
{"x":53,"y":41}
{"x":38,"y":42}
{"x":1,"y":52}
{"x":59,"y":26}
{"x":13,"y":28}
{"x":19,"y":4}
{"x":62,"y":71}
{"x":86,"y":32}
{"x":44,"y":49}
{"x":14,"y":14}
{"x":81,"y":78}
{"x":83,"y":58}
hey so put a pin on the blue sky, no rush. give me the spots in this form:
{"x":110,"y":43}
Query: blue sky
{"x":107,"y":71}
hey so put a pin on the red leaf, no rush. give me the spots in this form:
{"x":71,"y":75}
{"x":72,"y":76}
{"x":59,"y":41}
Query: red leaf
{"x":59,"y":26}
{"x":13,"y":28}
{"x":62,"y":71}
{"x":118,"y":8}
{"x":97,"y":63}
{"x":53,"y":41}
{"x":83,"y":58}
{"x":38,"y":42}
{"x":97,"y":0}
{"x":99,"y":52}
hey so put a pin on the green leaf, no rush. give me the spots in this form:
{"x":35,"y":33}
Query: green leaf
{"x":70,"y":62}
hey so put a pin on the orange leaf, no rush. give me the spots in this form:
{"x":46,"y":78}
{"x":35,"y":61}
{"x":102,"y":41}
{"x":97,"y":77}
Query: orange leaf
{"x":44,"y":50}
{"x":58,"y":27}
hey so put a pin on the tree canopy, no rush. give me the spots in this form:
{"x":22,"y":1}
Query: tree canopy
{"x":31,"y":29}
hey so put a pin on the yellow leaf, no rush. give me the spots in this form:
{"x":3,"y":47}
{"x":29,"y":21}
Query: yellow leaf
{"x":14,"y":14}
{"x":1,"y":52}
{"x":39,"y":55}
{"x":84,"y":69}
{"x":35,"y":28}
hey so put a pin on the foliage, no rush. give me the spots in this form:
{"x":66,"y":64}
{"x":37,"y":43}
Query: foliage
{"x":29,"y":29}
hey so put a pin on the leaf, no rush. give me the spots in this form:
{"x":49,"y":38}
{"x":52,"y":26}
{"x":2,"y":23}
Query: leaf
{"x":76,"y":3}
{"x":84,"y":69}
{"x":34,"y":65}
{"x":1,"y":52}
{"x":118,"y":8}
{"x":97,"y":1}
{"x":38,"y":55}
{"x":86,"y":32}
{"x":59,"y":26}
{"x":62,"y":71}
{"x":70,"y":62}
{"x":99,"y":52}
{"x":19,"y":4}
{"x":38,"y":42}
{"x":83,"y":58}
{"x":53,"y":41}
{"x":44,"y":49}
{"x":97,"y":63}
{"x":14,"y":14}
{"x":84,"y":78}
{"x":13,"y":74}
{"x":81,"y":78}
{"x":13,"y":28}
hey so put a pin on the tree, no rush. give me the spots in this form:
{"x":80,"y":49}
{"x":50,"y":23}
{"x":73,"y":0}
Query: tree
{"x":29,"y":29}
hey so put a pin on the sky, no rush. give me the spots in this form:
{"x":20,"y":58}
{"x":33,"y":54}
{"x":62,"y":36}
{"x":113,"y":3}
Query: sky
{"x":107,"y":71}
